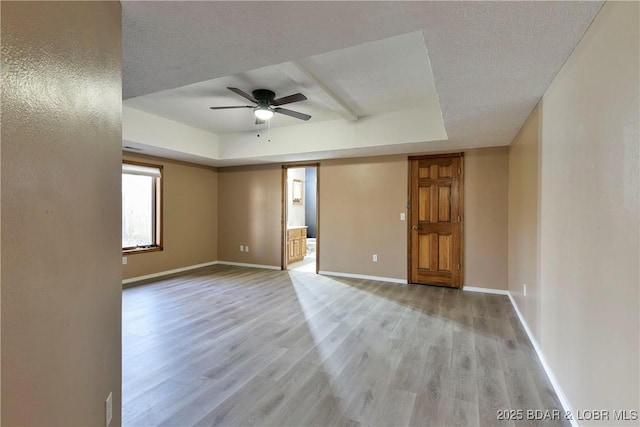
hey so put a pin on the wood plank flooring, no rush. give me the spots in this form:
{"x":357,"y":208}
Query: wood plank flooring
{"x":241,"y":346}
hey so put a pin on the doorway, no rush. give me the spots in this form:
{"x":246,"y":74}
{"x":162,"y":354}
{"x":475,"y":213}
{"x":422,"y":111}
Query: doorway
{"x":436,"y":226}
{"x":300,"y":225}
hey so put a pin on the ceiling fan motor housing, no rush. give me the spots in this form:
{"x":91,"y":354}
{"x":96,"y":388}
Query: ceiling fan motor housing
{"x":267,"y":105}
{"x":264,"y":97}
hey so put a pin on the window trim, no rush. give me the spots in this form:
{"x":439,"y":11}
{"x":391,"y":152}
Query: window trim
{"x":158,"y":211}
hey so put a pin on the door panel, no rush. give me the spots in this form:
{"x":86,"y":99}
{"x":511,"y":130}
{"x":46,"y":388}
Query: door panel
{"x":424,"y":209}
{"x":424,"y":262}
{"x":444,"y":204}
{"x":444,"y":252}
{"x":435,"y":235}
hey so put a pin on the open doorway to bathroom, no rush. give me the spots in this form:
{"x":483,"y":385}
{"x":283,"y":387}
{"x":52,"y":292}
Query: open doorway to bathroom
{"x":300,"y":235}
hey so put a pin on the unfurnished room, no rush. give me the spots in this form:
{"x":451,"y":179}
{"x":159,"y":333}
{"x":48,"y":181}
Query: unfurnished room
{"x":320,"y":213}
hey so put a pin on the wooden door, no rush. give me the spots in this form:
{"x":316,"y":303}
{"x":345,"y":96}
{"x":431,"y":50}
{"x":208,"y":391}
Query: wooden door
{"x":436,"y":215}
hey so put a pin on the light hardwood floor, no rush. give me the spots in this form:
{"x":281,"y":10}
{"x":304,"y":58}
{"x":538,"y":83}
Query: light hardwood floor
{"x":242,"y":346}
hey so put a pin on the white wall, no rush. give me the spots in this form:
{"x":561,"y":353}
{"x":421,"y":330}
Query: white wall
{"x":295,"y":212}
{"x":394,"y":132}
{"x":399,"y":127}
{"x":139,"y":127}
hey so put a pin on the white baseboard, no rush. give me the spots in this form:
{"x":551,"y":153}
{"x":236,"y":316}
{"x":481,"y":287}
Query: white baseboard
{"x":485,"y":290}
{"x":566,"y":406}
{"x":242,"y":264}
{"x":404,"y":282}
{"x":195,"y":267}
{"x":362,"y":276}
{"x":167,"y":272}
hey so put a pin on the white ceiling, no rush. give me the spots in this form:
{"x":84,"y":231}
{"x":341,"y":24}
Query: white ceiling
{"x":386,"y":75}
{"x":485,"y":64}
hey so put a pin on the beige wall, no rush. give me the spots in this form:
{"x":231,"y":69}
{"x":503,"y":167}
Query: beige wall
{"x":190,"y":226}
{"x":524,"y":216}
{"x":61,"y":274}
{"x":486,"y":176}
{"x":363,"y":218}
{"x":360,"y":205}
{"x":586,"y":317}
{"x":250,"y":212}
{"x":524,"y":195}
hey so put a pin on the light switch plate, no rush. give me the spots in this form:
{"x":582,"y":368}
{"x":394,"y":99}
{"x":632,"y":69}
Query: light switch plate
{"x":403,"y":216}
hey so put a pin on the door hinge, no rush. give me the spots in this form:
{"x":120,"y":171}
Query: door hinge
{"x":458,"y":218}
{"x":458,"y":267}
{"x":459,"y":171}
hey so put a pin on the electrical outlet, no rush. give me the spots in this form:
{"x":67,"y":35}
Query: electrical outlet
{"x":241,"y":248}
{"x":108,"y":404}
{"x":524,"y":290}
{"x":375,"y":258}
{"x":246,"y":248}
{"x":124,"y":260}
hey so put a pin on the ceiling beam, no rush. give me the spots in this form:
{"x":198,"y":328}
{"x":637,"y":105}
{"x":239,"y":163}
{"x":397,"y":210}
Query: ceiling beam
{"x":317,"y":89}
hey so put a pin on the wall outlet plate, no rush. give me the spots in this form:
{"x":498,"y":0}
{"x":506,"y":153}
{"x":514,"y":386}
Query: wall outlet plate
{"x":124,"y":260}
{"x":241,"y":248}
{"x":375,"y":258}
{"x":246,"y":248}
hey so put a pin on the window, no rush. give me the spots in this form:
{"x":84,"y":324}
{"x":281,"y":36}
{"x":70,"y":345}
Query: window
{"x":141,"y":207}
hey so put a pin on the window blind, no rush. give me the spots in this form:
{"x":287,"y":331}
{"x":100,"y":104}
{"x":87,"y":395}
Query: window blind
{"x":140,"y":170}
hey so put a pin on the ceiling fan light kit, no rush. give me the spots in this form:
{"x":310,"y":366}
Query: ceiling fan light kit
{"x":267,"y":105}
{"x":263,"y":113}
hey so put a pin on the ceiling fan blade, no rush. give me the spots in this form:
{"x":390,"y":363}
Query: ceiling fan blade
{"x":260,"y":121}
{"x":292,"y":113}
{"x":234,"y":106}
{"x":242,"y":94}
{"x":296,"y":97}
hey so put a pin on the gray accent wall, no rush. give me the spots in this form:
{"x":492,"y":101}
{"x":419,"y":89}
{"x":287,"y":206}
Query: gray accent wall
{"x":310,"y":187}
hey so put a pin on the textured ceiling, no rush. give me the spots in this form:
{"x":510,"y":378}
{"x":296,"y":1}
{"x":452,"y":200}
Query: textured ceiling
{"x":171,"y":44}
{"x":386,"y":75}
{"x":491,"y":61}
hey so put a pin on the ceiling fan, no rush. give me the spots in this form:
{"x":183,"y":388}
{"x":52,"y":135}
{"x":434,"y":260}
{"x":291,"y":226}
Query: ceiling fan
{"x":266,"y":104}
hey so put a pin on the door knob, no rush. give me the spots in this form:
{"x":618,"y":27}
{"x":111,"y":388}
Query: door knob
{"x":414,"y":227}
